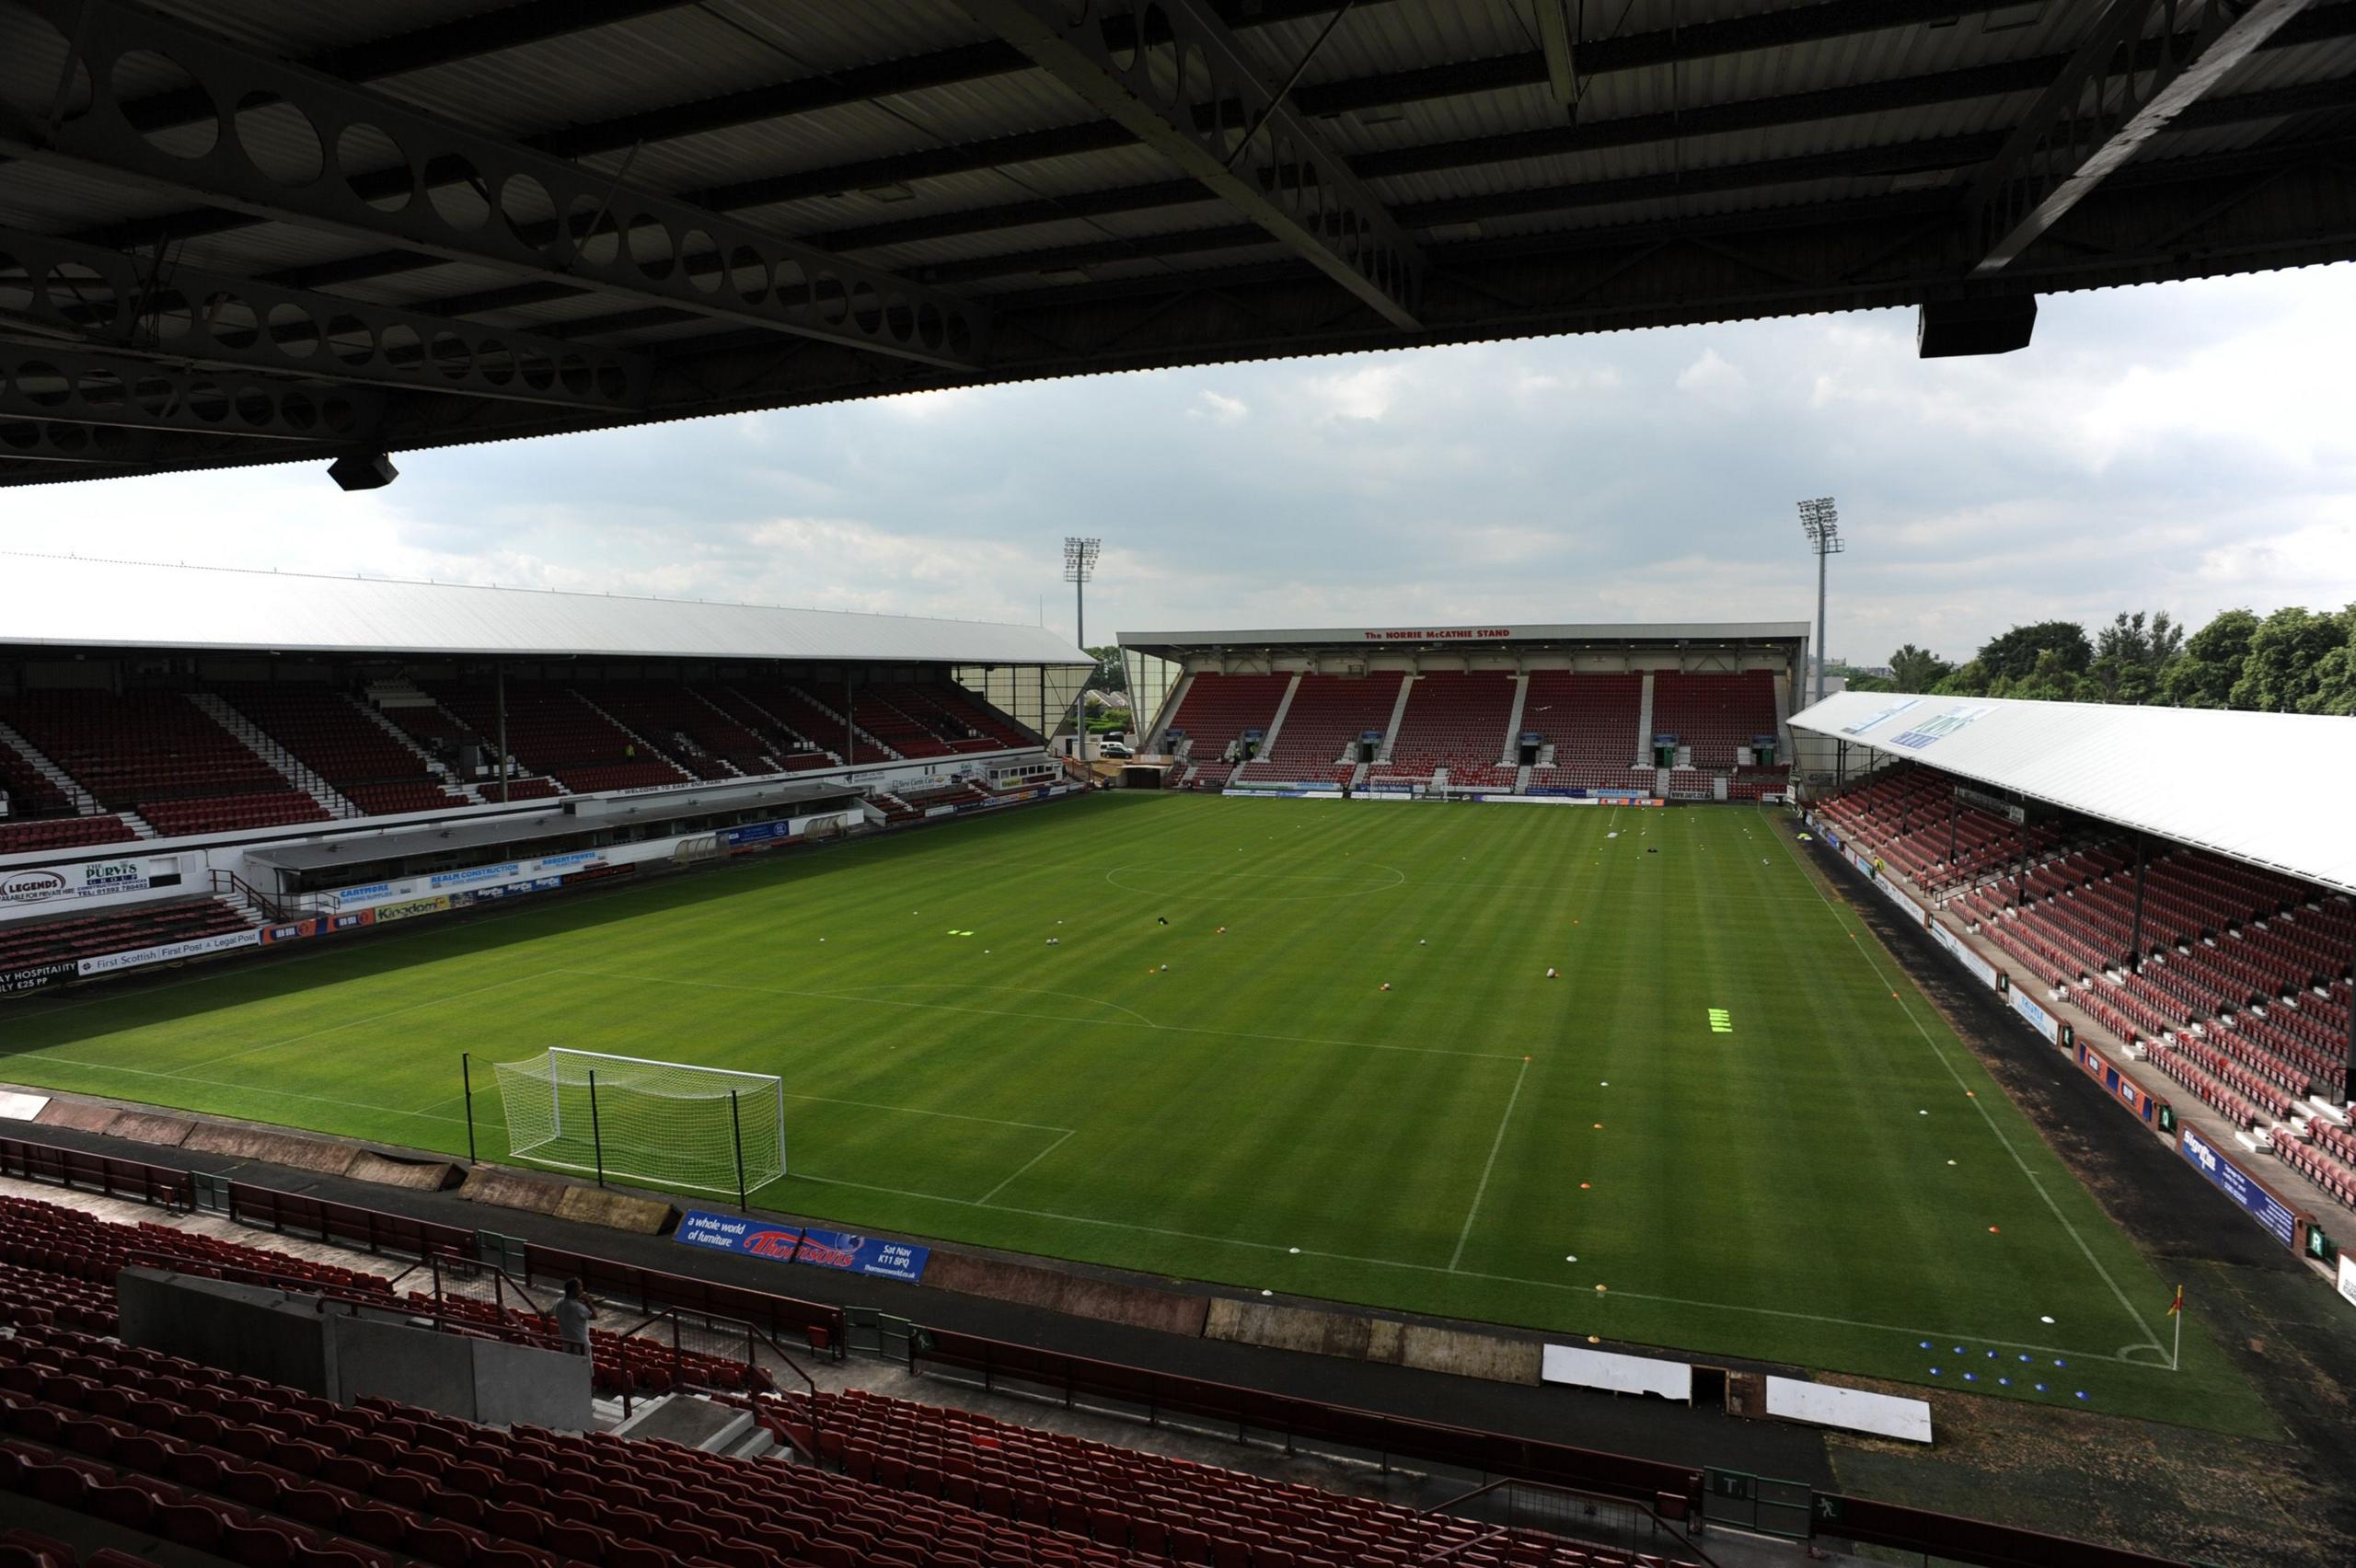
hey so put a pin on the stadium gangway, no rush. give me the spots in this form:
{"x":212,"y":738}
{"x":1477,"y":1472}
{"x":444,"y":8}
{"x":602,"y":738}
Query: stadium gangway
{"x":1569,"y":1512}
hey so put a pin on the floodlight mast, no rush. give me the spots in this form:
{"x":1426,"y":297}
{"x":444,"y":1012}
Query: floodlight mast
{"x":1821,"y":521}
{"x":1080,"y":566}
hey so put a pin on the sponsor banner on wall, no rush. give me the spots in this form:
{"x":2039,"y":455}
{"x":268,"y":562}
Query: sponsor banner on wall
{"x":292,"y":931}
{"x":2043,"y":1021}
{"x":2239,"y":1185}
{"x":755,"y":833}
{"x":88,"y":879}
{"x":862,"y":1254}
{"x":352,"y":922}
{"x":35,"y":977}
{"x":737,"y":1233}
{"x":1891,"y":890}
{"x":410,"y":909}
{"x":2130,"y":1093}
{"x":1832,"y":834}
{"x":1969,"y":959}
{"x":474,"y":874}
{"x":2348,"y":1279}
{"x":169,"y":952}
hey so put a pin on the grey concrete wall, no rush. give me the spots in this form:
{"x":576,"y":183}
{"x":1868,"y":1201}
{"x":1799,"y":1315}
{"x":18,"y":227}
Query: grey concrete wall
{"x":521,"y":1383}
{"x":271,"y":1334}
{"x":1363,"y":1338}
{"x":240,"y":1328}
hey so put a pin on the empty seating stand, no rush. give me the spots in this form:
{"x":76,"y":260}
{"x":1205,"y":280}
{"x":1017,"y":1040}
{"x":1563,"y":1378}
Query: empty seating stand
{"x":1216,"y":709}
{"x":1590,"y":720}
{"x":1454,"y":720}
{"x":550,"y":730}
{"x":1328,"y":713}
{"x":1714,"y":714}
{"x":324,"y":730}
{"x":65,"y":937}
{"x":159,"y":755}
{"x":61,"y":833}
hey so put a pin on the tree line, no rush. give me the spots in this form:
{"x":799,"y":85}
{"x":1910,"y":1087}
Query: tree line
{"x":2295,"y":660}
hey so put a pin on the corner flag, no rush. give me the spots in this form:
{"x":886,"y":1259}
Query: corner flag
{"x":2175,"y":1310}
{"x":2177,"y":1305}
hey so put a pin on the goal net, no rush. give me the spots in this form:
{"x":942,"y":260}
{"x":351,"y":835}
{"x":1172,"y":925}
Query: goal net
{"x":666,"y":1123}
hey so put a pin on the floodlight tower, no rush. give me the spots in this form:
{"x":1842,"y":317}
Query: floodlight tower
{"x":1079,"y":565}
{"x":1821,"y":521}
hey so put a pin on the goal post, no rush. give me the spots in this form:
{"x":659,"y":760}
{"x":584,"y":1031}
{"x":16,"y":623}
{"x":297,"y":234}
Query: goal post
{"x":666,"y":1123}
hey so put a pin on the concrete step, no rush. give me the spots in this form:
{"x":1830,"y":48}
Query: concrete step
{"x":691,"y":1421}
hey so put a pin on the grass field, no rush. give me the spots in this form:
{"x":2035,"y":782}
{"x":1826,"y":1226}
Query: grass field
{"x":1833,"y":1181}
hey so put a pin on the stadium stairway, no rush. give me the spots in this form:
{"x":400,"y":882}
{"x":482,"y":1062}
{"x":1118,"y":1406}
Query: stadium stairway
{"x":290,"y":767}
{"x":46,"y":771}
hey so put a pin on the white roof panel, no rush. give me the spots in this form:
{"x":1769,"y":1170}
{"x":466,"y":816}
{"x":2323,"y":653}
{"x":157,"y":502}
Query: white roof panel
{"x":62,"y":601}
{"x":2215,"y":779}
{"x":1666,"y":631}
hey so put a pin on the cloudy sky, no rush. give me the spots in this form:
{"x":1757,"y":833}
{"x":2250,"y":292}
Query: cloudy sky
{"x":2188,"y":447}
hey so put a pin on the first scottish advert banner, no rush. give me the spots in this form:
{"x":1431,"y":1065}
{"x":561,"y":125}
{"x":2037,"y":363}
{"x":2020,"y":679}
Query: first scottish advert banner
{"x":792,"y":1244}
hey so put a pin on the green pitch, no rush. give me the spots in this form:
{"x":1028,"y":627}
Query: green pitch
{"x":1730,"y":1125}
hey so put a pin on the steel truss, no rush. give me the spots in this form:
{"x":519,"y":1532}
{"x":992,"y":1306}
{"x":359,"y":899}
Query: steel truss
{"x":1194,"y":96}
{"x":283,"y":142}
{"x":2111,"y":98}
{"x":54,"y":289}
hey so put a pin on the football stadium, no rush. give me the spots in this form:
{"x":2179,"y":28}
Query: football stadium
{"x":513,"y":1076}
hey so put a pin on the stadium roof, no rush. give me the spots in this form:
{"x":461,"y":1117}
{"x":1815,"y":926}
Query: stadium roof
{"x":236,"y":233}
{"x":62,"y":601}
{"x":2265,"y":788}
{"x":1664,"y":634}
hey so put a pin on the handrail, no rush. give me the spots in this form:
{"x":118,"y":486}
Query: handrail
{"x":267,"y":902}
{"x":1591,"y":1498}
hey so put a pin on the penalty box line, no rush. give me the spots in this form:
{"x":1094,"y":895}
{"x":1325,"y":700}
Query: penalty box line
{"x":2004,"y":1143}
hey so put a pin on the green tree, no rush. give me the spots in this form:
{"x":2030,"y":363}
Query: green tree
{"x":2335,"y":674}
{"x":2054,"y":678}
{"x":2149,"y":641}
{"x":2204,"y":674}
{"x":1965,"y":680}
{"x":2016,"y":654}
{"x":1916,"y":669}
{"x":2285,"y":669}
{"x":1111,"y":674}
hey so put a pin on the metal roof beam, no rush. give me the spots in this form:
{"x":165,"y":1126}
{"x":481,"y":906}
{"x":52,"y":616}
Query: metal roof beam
{"x":1946,"y":157}
{"x":93,"y":298}
{"x":2097,"y":115}
{"x":290,"y":144}
{"x":1258,"y":152}
{"x":70,"y":386}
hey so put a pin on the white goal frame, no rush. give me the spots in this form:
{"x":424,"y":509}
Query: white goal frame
{"x":702,"y":1129}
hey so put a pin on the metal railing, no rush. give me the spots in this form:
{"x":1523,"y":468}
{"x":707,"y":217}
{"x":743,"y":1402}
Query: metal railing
{"x":1590,"y":1517}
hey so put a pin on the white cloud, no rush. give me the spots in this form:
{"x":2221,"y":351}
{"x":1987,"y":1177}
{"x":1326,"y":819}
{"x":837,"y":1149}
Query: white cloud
{"x":1365,"y":394}
{"x":2179,"y":447}
{"x":1218,"y":408}
{"x":1714,"y":378}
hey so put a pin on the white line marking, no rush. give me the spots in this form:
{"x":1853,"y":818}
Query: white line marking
{"x":248,"y":1088}
{"x":1983,"y":1341}
{"x":2034,"y":1185}
{"x":1481,"y":1191}
{"x":1026,"y":1165}
{"x":855,"y":995}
